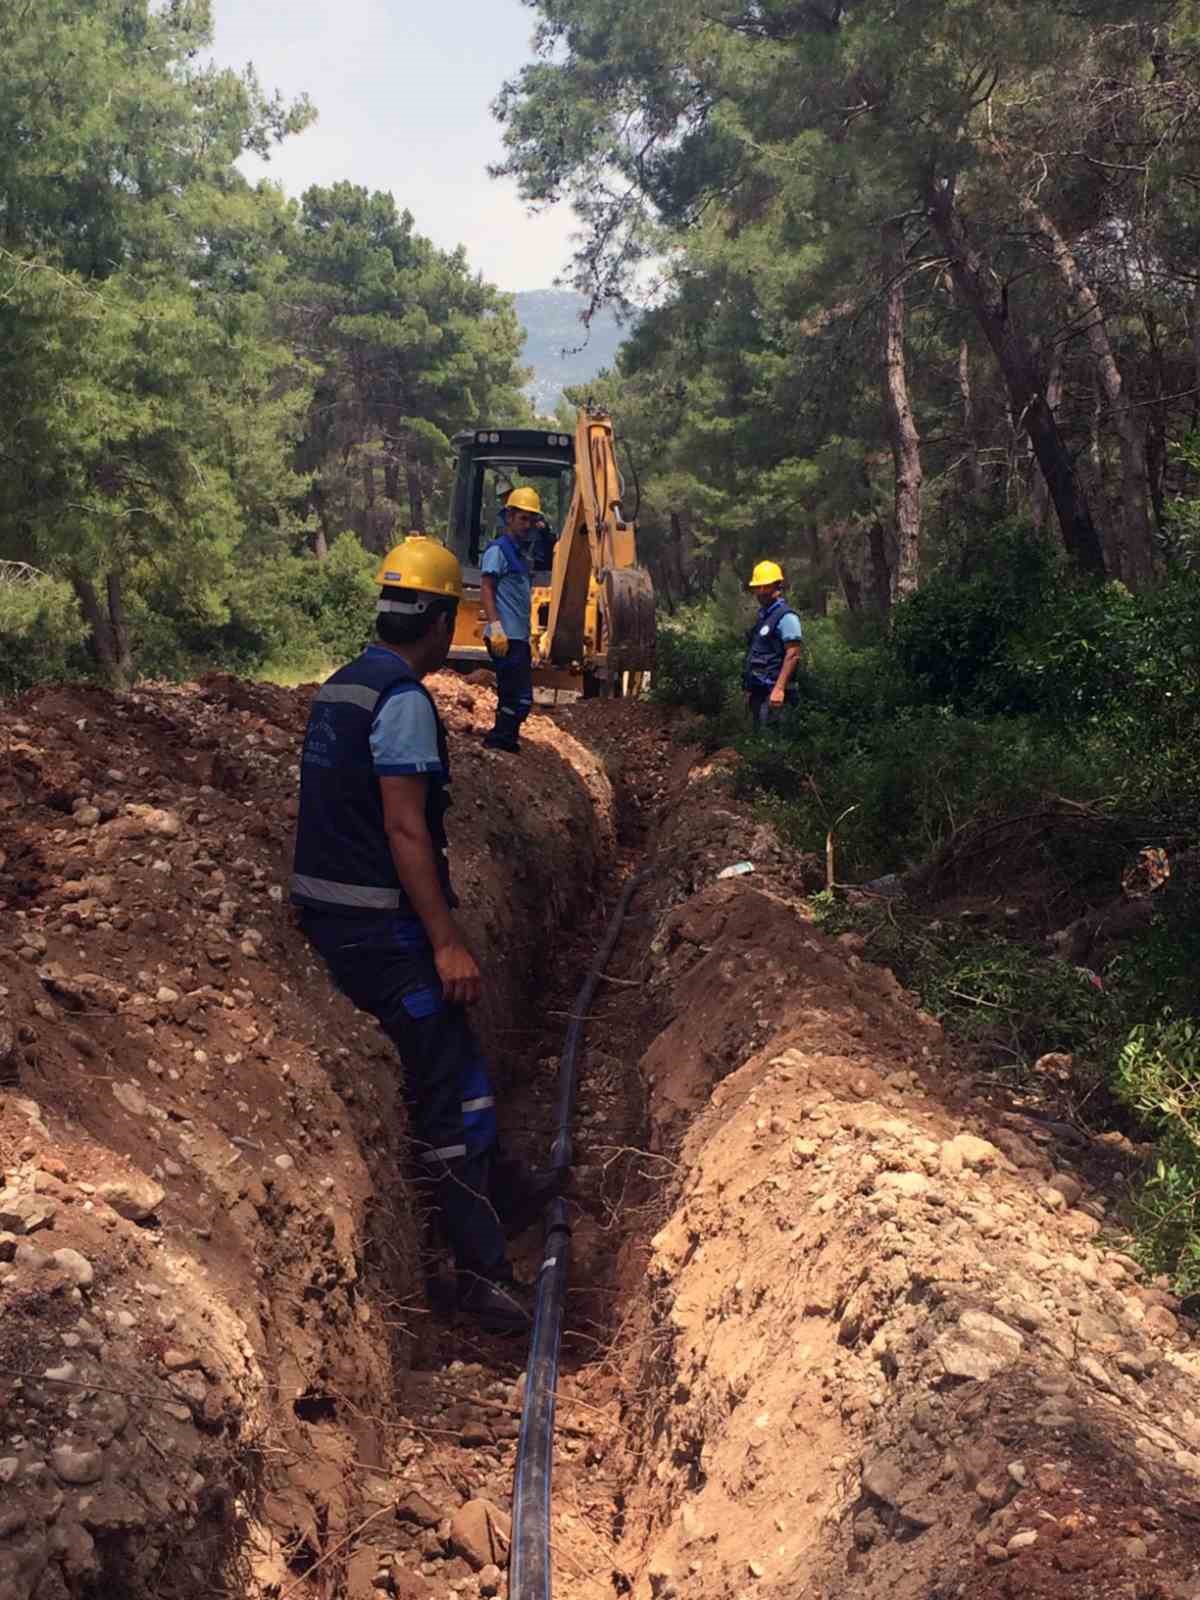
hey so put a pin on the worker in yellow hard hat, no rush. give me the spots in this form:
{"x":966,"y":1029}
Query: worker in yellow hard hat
{"x":773,"y":648}
{"x":372,"y":881}
{"x":506,"y":591}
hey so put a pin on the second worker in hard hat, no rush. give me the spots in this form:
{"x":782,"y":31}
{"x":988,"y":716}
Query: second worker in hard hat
{"x":506,"y":591}
{"x":372,"y":881}
{"x":773,"y":648}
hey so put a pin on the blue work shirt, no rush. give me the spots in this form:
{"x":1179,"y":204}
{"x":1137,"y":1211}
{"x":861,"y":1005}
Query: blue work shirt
{"x":507,"y":562}
{"x":404,"y":737}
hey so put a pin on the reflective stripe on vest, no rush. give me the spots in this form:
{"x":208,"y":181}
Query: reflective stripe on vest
{"x":360,"y":895}
{"x":348,"y":694}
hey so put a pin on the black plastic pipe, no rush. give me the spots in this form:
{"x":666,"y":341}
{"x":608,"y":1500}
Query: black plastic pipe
{"x":530,"y":1574}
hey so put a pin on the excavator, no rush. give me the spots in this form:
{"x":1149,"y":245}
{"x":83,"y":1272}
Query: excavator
{"x":592,"y":626}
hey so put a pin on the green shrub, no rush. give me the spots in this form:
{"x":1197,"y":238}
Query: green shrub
{"x":913,"y":778}
{"x":701,"y":673}
{"x":41,"y":634}
{"x":1158,"y":1076}
{"x":950,"y":639}
{"x":288,"y":613}
{"x":336,"y":597}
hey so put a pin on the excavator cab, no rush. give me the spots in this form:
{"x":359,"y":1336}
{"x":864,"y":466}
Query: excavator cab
{"x":493,"y":462}
{"x":592,"y":620}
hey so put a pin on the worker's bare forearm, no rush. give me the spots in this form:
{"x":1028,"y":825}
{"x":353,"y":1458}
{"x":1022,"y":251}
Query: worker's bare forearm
{"x":487,"y":594}
{"x":791,"y":661}
{"x":416,"y":867}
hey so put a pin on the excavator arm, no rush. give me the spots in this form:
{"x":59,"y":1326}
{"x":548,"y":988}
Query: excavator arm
{"x":598,"y":546}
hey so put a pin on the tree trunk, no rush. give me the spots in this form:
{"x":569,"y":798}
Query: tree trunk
{"x":1096,"y":478}
{"x":319,"y":538}
{"x":973,"y":468}
{"x":879,"y":569}
{"x":1157,"y":422}
{"x":1135,"y":482}
{"x":391,"y":469}
{"x":679,"y":555}
{"x":1039,"y":493}
{"x":851,"y":588}
{"x":416,"y":497}
{"x":108,"y":626}
{"x":982,"y":292}
{"x":901,"y":425}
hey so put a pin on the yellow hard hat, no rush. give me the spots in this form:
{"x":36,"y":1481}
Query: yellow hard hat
{"x":766,"y":572}
{"x":524,"y":500}
{"x":422,"y":564}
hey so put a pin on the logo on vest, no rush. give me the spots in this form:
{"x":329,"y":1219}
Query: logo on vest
{"x":765,"y":631}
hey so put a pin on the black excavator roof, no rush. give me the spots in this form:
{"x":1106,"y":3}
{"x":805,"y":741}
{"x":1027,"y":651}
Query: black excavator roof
{"x":518,"y":441}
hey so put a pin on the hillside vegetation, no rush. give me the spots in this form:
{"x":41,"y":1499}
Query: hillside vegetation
{"x":206,"y":385}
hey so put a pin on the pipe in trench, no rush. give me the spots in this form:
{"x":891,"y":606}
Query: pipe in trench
{"x":530,"y":1575}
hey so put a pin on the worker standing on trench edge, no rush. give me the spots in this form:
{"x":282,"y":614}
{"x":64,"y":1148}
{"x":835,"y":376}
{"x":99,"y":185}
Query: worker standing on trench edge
{"x":506,"y":590}
{"x":372,"y":882}
{"x":773,"y":648}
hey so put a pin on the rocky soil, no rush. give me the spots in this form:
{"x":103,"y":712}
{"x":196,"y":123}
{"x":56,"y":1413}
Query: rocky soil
{"x":840,"y":1325}
{"x":891,"y":1343}
{"x":208,"y":1262}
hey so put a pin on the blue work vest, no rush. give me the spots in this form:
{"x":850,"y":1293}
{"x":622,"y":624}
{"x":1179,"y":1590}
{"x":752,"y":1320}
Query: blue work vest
{"x":765,"y":648}
{"x":343,"y":862}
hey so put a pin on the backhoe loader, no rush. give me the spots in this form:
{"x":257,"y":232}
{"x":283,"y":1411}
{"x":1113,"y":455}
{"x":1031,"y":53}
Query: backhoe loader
{"x":592,"y":624}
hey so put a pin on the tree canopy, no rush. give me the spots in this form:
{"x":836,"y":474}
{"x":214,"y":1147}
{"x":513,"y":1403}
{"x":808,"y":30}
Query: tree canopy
{"x":198,"y":379}
{"x":922,"y":267}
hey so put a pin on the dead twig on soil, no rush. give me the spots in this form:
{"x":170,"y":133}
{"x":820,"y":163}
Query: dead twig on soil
{"x":77,"y":1383}
{"x":294,"y":1588}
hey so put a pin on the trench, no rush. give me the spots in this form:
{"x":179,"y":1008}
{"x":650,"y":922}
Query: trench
{"x":463,"y":1392}
{"x":837,"y":1325}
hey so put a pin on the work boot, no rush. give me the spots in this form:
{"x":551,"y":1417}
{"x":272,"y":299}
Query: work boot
{"x":495,"y":741}
{"x":521,"y":1193}
{"x":470,"y":1219}
{"x":498,"y":1305}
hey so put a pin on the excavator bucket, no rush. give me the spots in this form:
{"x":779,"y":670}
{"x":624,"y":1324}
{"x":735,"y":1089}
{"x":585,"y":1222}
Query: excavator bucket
{"x":628,"y":607}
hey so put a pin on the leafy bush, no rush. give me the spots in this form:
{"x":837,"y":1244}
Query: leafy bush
{"x":41,"y":634}
{"x":290,"y":613}
{"x":336,"y":597}
{"x":985,"y":987}
{"x":950,"y":639}
{"x":912,"y":779}
{"x":1158,"y":1075}
{"x":694,"y":670}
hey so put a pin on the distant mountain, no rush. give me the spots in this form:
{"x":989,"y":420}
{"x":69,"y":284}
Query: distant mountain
{"x":558,"y":347}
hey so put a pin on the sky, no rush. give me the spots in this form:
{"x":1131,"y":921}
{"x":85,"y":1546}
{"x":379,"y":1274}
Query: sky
{"x":402,"y":88}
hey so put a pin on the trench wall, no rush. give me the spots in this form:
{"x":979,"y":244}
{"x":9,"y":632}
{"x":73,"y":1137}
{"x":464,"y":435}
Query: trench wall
{"x":207,"y":1257}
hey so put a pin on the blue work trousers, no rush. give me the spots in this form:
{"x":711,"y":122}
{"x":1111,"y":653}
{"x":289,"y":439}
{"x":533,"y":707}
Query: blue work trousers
{"x":764,"y":717}
{"x":514,"y":690}
{"x":385,"y":965}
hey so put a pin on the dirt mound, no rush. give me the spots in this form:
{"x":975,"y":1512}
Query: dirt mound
{"x":890,"y":1348}
{"x":207,"y":1257}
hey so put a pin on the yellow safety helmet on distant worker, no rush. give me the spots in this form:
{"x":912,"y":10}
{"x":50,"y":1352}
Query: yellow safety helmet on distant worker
{"x":422,"y":564}
{"x":765,"y":573}
{"x":524,"y":499}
